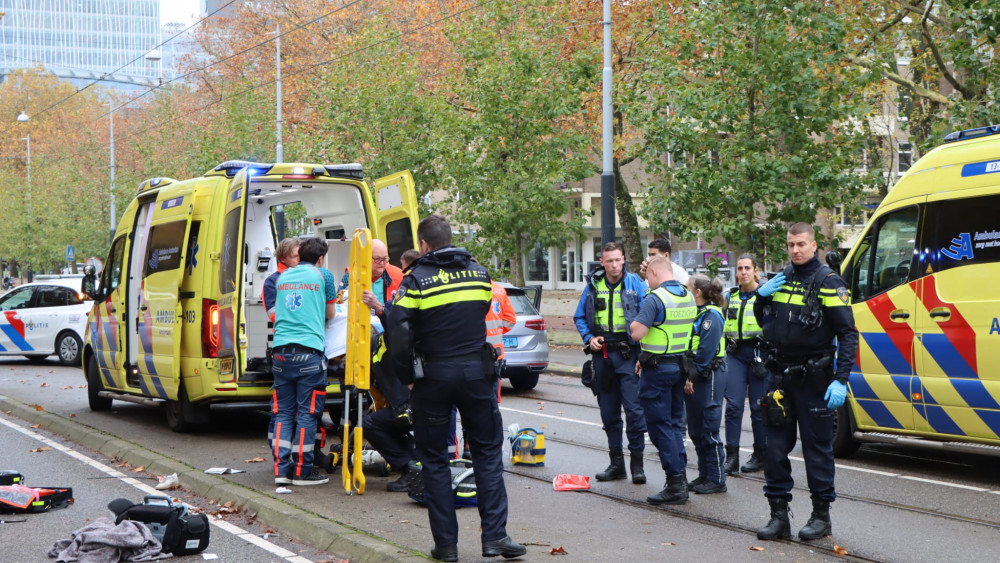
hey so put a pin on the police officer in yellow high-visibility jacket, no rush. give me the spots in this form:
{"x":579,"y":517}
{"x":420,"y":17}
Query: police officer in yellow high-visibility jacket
{"x":437,"y":342}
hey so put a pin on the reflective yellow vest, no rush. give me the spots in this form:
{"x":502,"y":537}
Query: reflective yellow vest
{"x":613,"y":309}
{"x":673,"y":335}
{"x":741,"y":324}
{"x":696,"y":338}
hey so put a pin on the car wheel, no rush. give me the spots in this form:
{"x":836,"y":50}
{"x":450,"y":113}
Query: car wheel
{"x":523,"y":381}
{"x":68,"y":348}
{"x":182,"y":415}
{"x":94,"y":387}
{"x":844,"y":444}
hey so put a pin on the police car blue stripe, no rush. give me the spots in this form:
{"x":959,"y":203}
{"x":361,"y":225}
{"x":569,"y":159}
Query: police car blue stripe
{"x":2,"y":349}
{"x":941,"y":422}
{"x":16,"y":338}
{"x":880,"y":414}
{"x":887,"y":353}
{"x":974,"y":393}
{"x":946,"y":356}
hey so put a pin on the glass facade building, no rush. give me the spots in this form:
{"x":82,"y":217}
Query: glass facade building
{"x":82,"y":39}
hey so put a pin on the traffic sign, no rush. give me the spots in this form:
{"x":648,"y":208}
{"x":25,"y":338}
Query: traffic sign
{"x":70,"y":253}
{"x":96,"y":263}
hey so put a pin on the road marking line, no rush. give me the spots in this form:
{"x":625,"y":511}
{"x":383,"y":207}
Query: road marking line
{"x":555,"y":417}
{"x":943,"y":483}
{"x":233,"y":529}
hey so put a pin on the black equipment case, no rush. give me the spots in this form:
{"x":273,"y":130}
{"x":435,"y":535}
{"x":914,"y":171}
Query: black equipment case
{"x":179,"y":531}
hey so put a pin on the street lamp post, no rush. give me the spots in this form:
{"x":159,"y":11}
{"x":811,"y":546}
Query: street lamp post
{"x":111,"y":116}
{"x":279,"y":151}
{"x":23,"y":118}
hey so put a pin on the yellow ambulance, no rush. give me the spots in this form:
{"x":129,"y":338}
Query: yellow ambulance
{"x":178,"y":318}
{"x":923,"y":281}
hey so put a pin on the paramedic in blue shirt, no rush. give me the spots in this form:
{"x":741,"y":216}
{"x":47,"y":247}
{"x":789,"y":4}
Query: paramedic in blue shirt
{"x":607,"y":306}
{"x":306,"y":295}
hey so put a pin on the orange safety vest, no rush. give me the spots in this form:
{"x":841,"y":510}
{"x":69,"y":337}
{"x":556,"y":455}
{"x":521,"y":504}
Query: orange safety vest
{"x":500,"y":318}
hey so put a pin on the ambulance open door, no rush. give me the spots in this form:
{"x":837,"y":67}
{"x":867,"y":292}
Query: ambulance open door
{"x":160,"y":307}
{"x":396,"y":213}
{"x":229,"y":331}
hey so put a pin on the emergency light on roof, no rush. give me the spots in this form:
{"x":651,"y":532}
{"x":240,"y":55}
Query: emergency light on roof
{"x":967,"y":134}
{"x":352,"y":170}
{"x":231,"y":167}
{"x":154,"y":183}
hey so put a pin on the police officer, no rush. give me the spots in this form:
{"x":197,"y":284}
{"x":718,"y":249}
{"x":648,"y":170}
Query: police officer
{"x":663,"y":327}
{"x":745,"y":371}
{"x":607,"y":307}
{"x":705,"y":385}
{"x":806,"y":315}
{"x":437,"y":338}
{"x":388,"y":429}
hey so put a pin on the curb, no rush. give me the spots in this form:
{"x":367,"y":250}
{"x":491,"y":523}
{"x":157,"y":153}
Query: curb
{"x":310,"y":528}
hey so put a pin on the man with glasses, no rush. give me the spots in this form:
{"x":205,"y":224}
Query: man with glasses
{"x":385,"y":278}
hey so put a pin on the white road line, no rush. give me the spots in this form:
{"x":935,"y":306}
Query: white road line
{"x":750,"y":450}
{"x":588,"y":423}
{"x":246,"y":536}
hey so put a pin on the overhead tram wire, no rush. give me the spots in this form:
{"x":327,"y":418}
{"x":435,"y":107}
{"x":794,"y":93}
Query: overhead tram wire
{"x":269,"y":82}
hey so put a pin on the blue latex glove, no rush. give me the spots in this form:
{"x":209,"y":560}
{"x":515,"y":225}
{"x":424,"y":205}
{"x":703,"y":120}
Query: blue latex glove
{"x":772,"y":286}
{"x":836,"y":393}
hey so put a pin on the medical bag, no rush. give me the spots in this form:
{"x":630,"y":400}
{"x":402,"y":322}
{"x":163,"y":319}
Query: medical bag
{"x":463,"y":485}
{"x":179,"y":531}
{"x":18,"y":498}
{"x":10,"y":477}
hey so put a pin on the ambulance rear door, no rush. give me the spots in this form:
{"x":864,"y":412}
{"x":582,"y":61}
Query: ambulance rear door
{"x":160,"y":308}
{"x":231,"y":329}
{"x":396,"y":213}
{"x":957,"y":314}
{"x":879,"y":272}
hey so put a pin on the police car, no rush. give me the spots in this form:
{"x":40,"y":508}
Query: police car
{"x":43,"y":318}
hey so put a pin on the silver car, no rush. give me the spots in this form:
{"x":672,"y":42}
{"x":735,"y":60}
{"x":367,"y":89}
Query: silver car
{"x":526,"y":346}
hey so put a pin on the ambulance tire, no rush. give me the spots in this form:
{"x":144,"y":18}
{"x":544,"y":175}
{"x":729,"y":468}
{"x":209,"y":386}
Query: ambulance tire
{"x":94,"y":386}
{"x":68,"y":346}
{"x":522,"y":380}
{"x":844,"y":444}
{"x":183,"y":416}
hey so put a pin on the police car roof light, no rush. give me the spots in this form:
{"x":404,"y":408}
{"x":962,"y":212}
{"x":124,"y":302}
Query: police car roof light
{"x":967,"y":134}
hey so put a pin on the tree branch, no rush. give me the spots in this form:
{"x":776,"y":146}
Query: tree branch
{"x":917,"y":89}
{"x":942,"y":66}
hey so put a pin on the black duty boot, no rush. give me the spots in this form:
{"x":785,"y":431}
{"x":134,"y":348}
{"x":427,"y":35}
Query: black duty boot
{"x":778,"y":527}
{"x":615,"y":471}
{"x":732,"y":460}
{"x":755,"y":463}
{"x":818,"y":525}
{"x":707,"y":487}
{"x":674,"y":492}
{"x":635,"y":465}
{"x":406,"y":478}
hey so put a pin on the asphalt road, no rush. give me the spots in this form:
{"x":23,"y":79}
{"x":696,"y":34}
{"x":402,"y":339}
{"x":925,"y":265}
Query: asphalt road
{"x":894,"y":505}
{"x":50,"y":461}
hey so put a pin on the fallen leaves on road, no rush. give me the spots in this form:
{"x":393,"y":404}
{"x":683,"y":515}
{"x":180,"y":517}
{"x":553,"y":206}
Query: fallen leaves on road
{"x":44,"y":384}
{"x":558,"y":551}
{"x":65,"y":387}
{"x":41,"y":449}
{"x":839,"y":550}
{"x":254,"y":460}
{"x":38,"y":408}
{"x":139,"y":469}
{"x":756,"y":548}
{"x":668,"y":543}
{"x":39,"y":425}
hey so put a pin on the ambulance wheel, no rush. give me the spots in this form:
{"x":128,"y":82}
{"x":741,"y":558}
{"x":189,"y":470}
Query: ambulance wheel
{"x":523,"y":380}
{"x":182,"y":415}
{"x":94,"y":386}
{"x":844,"y":444}
{"x":68,"y":349}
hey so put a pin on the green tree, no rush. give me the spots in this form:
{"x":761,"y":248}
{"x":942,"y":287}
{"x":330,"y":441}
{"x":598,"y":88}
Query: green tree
{"x":759,"y":120}
{"x":509,"y":139}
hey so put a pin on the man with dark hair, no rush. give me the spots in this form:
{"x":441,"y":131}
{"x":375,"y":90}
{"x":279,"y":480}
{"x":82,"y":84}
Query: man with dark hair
{"x":661,"y":247}
{"x":306,"y":297}
{"x":437,"y":343}
{"x":607,"y":307}
{"x":809,"y":321}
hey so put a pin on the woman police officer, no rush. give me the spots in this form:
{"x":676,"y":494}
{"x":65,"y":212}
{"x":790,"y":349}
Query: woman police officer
{"x":746,"y":375}
{"x":704,"y":389}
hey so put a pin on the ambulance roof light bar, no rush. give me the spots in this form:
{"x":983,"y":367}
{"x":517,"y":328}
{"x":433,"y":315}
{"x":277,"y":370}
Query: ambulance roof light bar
{"x":231,"y":167}
{"x":352,"y":170}
{"x":967,"y":134}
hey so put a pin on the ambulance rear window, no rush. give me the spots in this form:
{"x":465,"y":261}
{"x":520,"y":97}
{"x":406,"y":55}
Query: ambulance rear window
{"x":165,"y":243}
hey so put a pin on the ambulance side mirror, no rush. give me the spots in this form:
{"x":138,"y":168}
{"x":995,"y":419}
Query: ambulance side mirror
{"x":89,"y":286}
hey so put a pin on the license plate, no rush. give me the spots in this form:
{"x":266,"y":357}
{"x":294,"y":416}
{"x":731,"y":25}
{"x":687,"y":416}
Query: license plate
{"x":225,"y":366}
{"x":510,"y":342}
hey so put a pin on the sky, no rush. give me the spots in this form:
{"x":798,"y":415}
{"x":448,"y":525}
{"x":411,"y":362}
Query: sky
{"x":178,"y":11}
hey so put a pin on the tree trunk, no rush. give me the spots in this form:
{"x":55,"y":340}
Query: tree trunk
{"x":626,"y":209}
{"x":517,"y":262}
